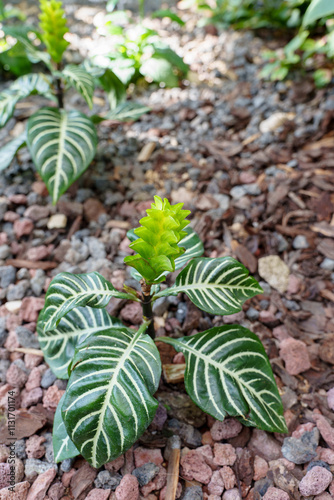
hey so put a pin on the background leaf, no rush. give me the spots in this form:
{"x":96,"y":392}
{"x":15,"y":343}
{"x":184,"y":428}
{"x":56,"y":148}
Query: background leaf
{"x":62,"y":145}
{"x":217,"y":286}
{"x":81,"y":80}
{"x":317,"y":10}
{"x":9,"y":150}
{"x":108,"y":402}
{"x":159,"y":70}
{"x":127,"y":111}
{"x":115,"y":89}
{"x":58,"y":345}
{"x":229,"y":373}
{"x":68,"y":291}
{"x":63,"y":447}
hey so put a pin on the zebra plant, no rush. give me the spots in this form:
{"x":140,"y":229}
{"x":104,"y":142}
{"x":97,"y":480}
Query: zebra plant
{"x":62,"y":143}
{"x":114,"y":370}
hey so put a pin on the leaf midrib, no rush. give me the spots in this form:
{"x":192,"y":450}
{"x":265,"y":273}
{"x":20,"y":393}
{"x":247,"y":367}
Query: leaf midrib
{"x":180,"y":288}
{"x":60,"y":154}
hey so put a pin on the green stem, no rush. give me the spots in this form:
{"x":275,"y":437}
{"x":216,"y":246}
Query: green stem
{"x":147,"y":308}
{"x":59,"y":89}
{"x":142,"y":9}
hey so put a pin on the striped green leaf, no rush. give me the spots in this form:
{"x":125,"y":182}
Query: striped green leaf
{"x":58,"y":345}
{"x":68,"y":291}
{"x":62,"y":145}
{"x":81,"y":80}
{"x":191,"y":242}
{"x":217,"y":286}
{"x":63,"y":447}
{"x":10,"y":149}
{"x":21,"y":88}
{"x":229,"y":373}
{"x":127,"y":111}
{"x":108,"y":401}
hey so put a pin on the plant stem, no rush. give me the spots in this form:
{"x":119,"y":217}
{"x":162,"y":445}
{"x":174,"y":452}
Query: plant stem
{"x":59,"y":89}
{"x":142,"y":9}
{"x":147,"y":308}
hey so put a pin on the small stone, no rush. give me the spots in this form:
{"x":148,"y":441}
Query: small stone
{"x":330,"y":399}
{"x":32,"y":397}
{"x":115,"y":465}
{"x":260,"y":468}
{"x":23,"y":227}
{"x":37,"y":253}
{"x":295,"y":356}
{"x":132,"y":313}
{"x":315,"y":481}
{"x":216,"y":485}
{"x":252,"y":314}
{"x":30,"y":308}
{"x":327,"y":264}
{"x":5,"y":477}
{"x":227,"y":429}
{"x":66,"y":464}
{"x":300,"y":242}
{"x":158,"y":482}
{"x":318,"y":463}
{"x":20,"y":492}
{"x":238,"y":192}
{"x":52,"y":397}
{"x":224,"y":454}
{"x":34,"y":446}
{"x":275,"y":272}
{"x":303,"y":449}
{"x":327,"y":455}
{"x":294,"y":285}
{"x":276,"y":494}
{"x":264,"y":445}
{"x":228,"y":477}
{"x":57,"y":221}
{"x":146,"y":473}
{"x":7,"y":276}
{"x":193,"y":493}
{"x":35,"y":467}
{"x":37,"y":212}
{"x":48,"y":378}
{"x":107,"y":480}
{"x":16,"y":376}
{"x":93,"y":208}
{"x":26,"y":338}
{"x":4,"y":453}
{"x":194,"y":467}
{"x":232,"y":494}
{"x":143,"y":456}
{"x":41,"y":484}
{"x":323,"y":496}
{"x":325,"y":429}
{"x":128,"y":489}
{"x":98,"y":494}
{"x":13,"y":306}
{"x":56,"y":491}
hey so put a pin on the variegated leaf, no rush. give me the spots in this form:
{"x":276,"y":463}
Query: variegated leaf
{"x":217,"y":286}
{"x":63,"y":447}
{"x":229,"y":373}
{"x":81,"y":80}
{"x":68,"y":291}
{"x":108,"y":402}
{"x":127,"y":111}
{"x":9,"y":150}
{"x":58,"y":345}
{"x":62,"y":145}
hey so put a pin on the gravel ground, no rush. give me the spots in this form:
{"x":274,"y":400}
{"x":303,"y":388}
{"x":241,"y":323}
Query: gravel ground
{"x":252,"y":161}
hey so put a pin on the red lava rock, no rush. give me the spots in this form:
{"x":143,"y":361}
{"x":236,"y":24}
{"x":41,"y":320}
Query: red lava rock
{"x":160,"y":418}
{"x":41,"y":484}
{"x":327,"y":456}
{"x":67,"y":476}
{"x":3,"y":238}
{"x":293,"y":285}
{"x":115,"y":465}
{"x":323,"y":496}
{"x":162,"y":494}
{"x":228,"y":477}
{"x":56,"y":491}
{"x":93,"y":208}
{"x":30,"y":398}
{"x":260,"y":468}
{"x":82,"y":479}
{"x":37,"y":253}
{"x":52,"y":397}
{"x":28,"y":422}
{"x":34,"y":379}
{"x":325,"y":429}
{"x":37,"y":212}
{"x":128,"y":209}
{"x":299,"y":431}
{"x":275,"y":494}
{"x":295,"y":355}
{"x":20,"y":492}
{"x":206,"y":202}
{"x":128,"y":488}
{"x":4,"y":475}
{"x":264,"y":445}
{"x":98,"y":494}
{"x":18,"y":199}
{"x":179,"y":358}
{"x":34,"y":446}
{"x":11,"y":216}
{"x":216,"y":485}
{"x":129,"y":465}
{"x":11,"y":341}
{"x":280,"y":333}
{"x":232,"y":494}
{"x":4,"y":453}
{"x":23,"y":227}
{"x":330,"y":399}
{"x":16,"y":377}
{"x":227,"y":429}
{"x":145,"y":455}
{"x":234,"y":318}
{"x":132,"y":313}
{"x":194,"y":467}
{"x":207,"y":438}
{"x":224,"y":454}
{"x":157,"y":483}
{"x":247,"y":177}
{"x":40,"y":188}
{"x":30,"y":308}
{"x":315,"y":481}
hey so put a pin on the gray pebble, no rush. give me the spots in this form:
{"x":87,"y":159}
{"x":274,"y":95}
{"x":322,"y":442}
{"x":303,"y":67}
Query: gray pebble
{"x":7,"y":276}
{"x":26,"y":338}
{"x":253,"y":189}
{"x":292,"y":305}
{"x":3,"y":331}
{"x":300,"y":242}
{"x":66,"y":465}
{"x":4,"y":252}
{"x":4,"y":365}
{"x":160,"y":306}
{"x":20,"y":449}
{"x":264,"y":304}
{"x":237,"y":192}
{"x":193,"y":493}
{"x":48,"y":378}
{"x":189,"y":435}
{"x":303,"y":449}
{"x":33,"y":466}
{"x":318,"y":463}
{"x":265,"y":287}
{"x":17,"y":292}
{"x":327,"y":264}
{"x":181,"y":312}
{"x":252,"y":314}
{"x":107,"y":480}
{"x":146,"y":473}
